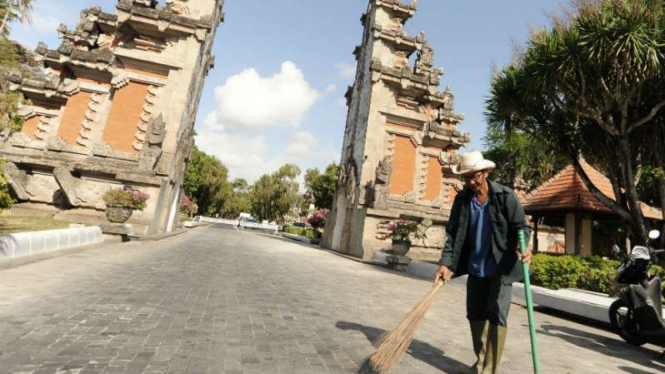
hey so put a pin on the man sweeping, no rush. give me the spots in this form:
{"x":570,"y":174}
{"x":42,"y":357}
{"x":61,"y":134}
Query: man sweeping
{"x":483,"y":243}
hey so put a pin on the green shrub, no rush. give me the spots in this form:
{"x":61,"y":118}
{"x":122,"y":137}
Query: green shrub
{"x":292,"y":230}
{"x":591,"y":273}
{"x":556,"y":272}
{"x":598,"y":280}
{"x":308,"y":233}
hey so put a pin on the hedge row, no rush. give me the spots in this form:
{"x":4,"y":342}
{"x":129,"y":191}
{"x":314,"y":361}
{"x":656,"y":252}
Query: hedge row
{"x":309,"y":233}
{"x":590,"y":273}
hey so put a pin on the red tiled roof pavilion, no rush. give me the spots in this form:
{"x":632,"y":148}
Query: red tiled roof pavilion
{"x":567,"y":192}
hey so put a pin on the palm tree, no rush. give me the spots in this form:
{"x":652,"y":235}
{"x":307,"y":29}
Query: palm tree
{"x":590,"y":87}
{"x":511,"y":138}
{"x":14,"y":9}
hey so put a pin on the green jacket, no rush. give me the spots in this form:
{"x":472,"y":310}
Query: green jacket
{"x":507,"y":217}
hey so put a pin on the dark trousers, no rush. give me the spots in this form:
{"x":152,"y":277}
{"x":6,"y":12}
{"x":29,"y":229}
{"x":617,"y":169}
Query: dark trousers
{"x":488,"y":299}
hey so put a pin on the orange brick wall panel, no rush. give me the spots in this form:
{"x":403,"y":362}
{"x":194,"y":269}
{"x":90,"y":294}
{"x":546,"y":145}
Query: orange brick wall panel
{"x":125,"y":115}
{"x":30,"y":126}
{"x":434,"y":179}
{"x":404,"y":166}
{"x":72,"y":120}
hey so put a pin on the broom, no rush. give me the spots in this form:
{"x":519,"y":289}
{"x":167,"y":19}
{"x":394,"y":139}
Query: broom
{"x":391,"y":345}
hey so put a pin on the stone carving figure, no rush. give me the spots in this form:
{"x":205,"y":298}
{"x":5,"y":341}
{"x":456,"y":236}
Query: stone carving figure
{"x":384,"y":172}
{"x":152,"y":147}
{"x":425,"y":60}
{"x":351,"y":182}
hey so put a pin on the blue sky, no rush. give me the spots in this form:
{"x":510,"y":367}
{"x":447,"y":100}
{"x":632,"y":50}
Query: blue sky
{"x":276,"y":94}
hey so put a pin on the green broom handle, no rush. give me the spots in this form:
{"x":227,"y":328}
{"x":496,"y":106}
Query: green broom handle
{"x":529,"y":306}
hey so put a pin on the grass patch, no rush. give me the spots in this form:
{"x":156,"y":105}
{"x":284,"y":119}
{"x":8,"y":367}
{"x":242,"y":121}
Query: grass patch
{"x":10,"y":224}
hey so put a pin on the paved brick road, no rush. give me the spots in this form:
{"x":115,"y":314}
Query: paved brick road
{"x":217,"y":300}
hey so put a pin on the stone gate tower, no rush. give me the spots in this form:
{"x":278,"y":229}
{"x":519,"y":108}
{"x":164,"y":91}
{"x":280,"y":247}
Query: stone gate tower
{"x":400,"y":139}
{"x":115,"y":107}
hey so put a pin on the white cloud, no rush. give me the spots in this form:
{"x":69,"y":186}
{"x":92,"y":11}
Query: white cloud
{"x":249,"y":156}
{"x":248,"y":105}
{"x":45,"y":23}
{"x":303,"y":144}
{"x":243,"y":154}
{"x":345,"y":70}
{"x":249,"y":101}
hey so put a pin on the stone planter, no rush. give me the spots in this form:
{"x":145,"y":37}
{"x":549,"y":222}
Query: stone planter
{"x":118,"y":214}
{"x":401,"y":247}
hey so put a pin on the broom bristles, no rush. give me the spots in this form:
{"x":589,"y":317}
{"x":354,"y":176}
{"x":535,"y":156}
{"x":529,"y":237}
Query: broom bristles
{"x":391,"y":345}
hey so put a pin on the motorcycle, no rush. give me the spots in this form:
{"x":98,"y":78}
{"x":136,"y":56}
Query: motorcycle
{"x":637,"y":314}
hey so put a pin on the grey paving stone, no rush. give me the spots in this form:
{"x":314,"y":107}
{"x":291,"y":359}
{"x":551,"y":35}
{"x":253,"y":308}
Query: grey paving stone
{"x":221,"y":301}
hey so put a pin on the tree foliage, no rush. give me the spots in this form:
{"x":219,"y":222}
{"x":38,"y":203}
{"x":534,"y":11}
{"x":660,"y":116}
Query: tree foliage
{"x":521,"y":159}
{"x":322,"y":186}
{"x":12,"y":10}
{"x":239,"y":201}
{"x":273,"y":196}
{"x":592,"y":87}
{"x":206,"y":183}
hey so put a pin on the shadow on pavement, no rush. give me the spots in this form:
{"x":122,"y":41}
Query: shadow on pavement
{"x":606,"y":346}
{"x":418,"y":349}
{"x":633,"y":370}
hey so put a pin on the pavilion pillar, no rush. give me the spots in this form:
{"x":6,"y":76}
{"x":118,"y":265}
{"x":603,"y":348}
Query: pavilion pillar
{"x":571,"y":233}
{"x":535,"y":233}
{"x":585,"y":236}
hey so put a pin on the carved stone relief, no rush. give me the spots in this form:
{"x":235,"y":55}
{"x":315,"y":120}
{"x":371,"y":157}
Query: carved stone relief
{"x":45,"y":127}
{"x":55,"y":143}
{"x":417,"y":138}
{"x":178,"y":6}
{"x":102,"y":149}
{"x":152,"y":146}
{"x":384,"y":173}
{"x":20,"y":139}
{"x":422,"y":176}
{"x":425,"y":60}
{"x":91,"y":120}
{"x":401,"y":60}
{"x":17,"y":180}
{"x":77,"y":192}
{"x":148,"y":111}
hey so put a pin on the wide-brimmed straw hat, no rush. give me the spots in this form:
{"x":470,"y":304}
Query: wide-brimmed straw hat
{"x":472,"y":162}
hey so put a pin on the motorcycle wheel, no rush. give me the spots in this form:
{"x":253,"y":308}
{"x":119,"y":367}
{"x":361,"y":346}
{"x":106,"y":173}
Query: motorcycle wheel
{"x":619,"y":319}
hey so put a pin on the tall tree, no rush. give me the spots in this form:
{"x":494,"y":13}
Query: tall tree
{"x":322,"y":186}
{"x":206,"y":182}
{"x":239,"y":201}
{"x":275,"y":195}
{"x":590,"y":86}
